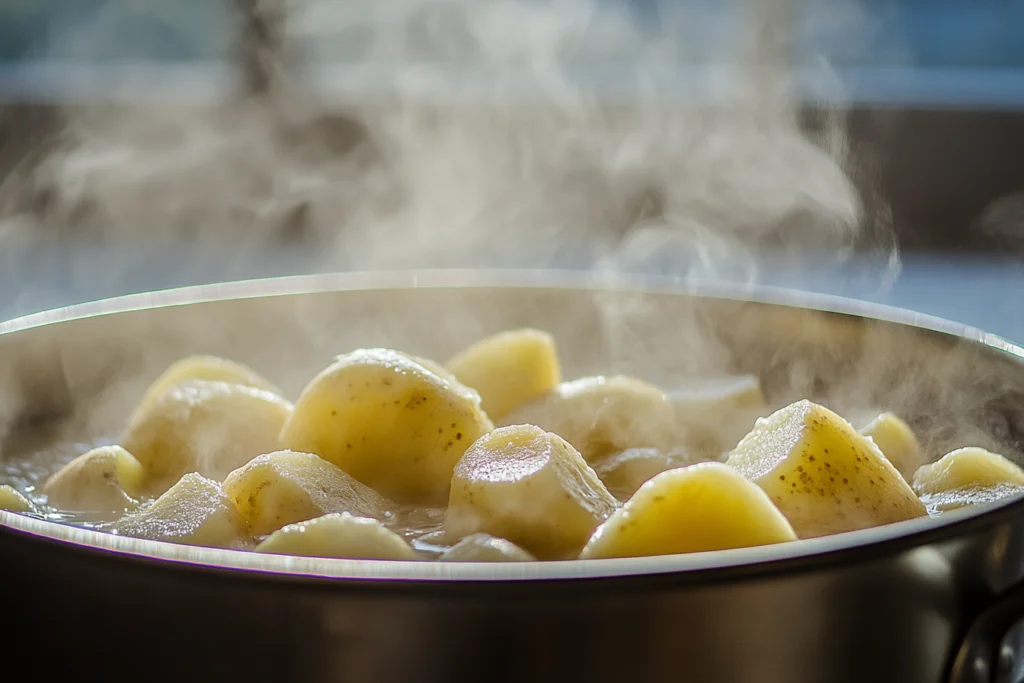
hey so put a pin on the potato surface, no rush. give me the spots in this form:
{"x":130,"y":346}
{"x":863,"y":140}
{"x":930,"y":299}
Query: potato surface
{"x":207,"y":427}
{"x":485,"y":548}
{"x":824,"y":476}
{"x":341,"y":536}
{"x":277,"y":489}
{"x":13,"y":501}
{"x":600,"y":416}
{"x":195,"y":511}
{"x":896,"y":440}
{"x":530,"y":487}
{"x":967,"y":476}
{"x":389,"y":421}
{"x":209,"y":368}
{"x":509,"y":369}
{"x":625,"y":472}
{"x":708,"y":506}
{"x":97,"y":481}
{"x":714,"y":414}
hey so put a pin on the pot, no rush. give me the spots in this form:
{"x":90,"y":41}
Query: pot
{"x":917,"y":602}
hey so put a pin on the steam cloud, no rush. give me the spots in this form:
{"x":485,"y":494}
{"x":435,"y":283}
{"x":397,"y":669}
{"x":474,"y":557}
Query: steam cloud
{"x":495,"y":133}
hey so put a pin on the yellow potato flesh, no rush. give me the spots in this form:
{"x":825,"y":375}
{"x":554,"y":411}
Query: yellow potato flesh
{"x":509,"y":369}
{"x":12,"y":500}
{"x":824,"y":476}
{"x":967,"y":476}
{"x":896,"y":440}
{"x":282,"y":488}
{"x":485,"y":548}
{"x":625,"y":472}
{"x":708,"y":506}
{"x":97,"y":481}
{"x":390,"y":422}
{"x":716,"y":413}
{"x":195,"y":511}
{"x":603,"y":415}
{"x":340,"y":536}
{"x":209,"y":368}
{"x":530,"y":487}
{"x":207,"y":427}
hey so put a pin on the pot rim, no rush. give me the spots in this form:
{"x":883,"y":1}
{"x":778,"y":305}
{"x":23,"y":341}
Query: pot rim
{"x":814,"y":553}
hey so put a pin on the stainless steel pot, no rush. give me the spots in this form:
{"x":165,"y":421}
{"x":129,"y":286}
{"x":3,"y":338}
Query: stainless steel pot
{"x":917,"y":602}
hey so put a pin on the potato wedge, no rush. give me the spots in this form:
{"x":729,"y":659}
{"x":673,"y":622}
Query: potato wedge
{"x":209,"y":368}
{"x":206,"y":427}
{"x":339,"y":535}
{"x":824,"y":476}
{"x":967,"y":476}
{"x":12,"y":500}
{"x":530,"y":487}
{"x":277,"y":489}
{"x":896,"y":440}
{"x":195,"y":511}
{"x":625,"y":472}
{"x":708,"y":506}
{"x":716,"y":413}
{"x":97,"y":481}
{"x":485,"y":548}
{"x":604,"y":415}
{"x":509,"y":369}
{"x":389,"y":421}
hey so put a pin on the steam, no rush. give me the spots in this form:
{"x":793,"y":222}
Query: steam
{"x":485,"y":137}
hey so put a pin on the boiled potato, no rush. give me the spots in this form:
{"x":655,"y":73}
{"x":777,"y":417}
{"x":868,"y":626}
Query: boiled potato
{"x":195,"y":511}
{"x":389,"y":421}
{"x":896,"y":440}
{"x":716,"y":413}
{"x":285,"y":487}
{"x":97,"y":481}
{"x":485,"y":548}
{"x":603,"y":415}
{"x":509,"y":369}
{"x":339,"y":535}
{"x":824,"y":476}
{"x":625,"y":472}
{"x":967,"y":476}
{"x":708,"y":506}
{"x":206,"y":427}
{"x":530,"y":487}
{"x":209,"y":368}
{"x":12,"y":500}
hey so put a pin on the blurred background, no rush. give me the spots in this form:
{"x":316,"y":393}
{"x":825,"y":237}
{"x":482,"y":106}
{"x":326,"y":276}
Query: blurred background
{"x":872,"y":149}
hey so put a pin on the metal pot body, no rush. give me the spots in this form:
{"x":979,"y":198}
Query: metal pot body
{"x":892,"y":604}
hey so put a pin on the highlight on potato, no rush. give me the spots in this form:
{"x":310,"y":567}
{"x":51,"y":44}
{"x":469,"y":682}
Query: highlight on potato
{"x":388,"y":456}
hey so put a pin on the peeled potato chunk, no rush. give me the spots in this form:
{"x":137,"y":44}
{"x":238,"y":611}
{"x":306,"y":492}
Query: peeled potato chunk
{"x":97,"y":481}
{"x":195,"y":511}
{"x":390,"y":421}
{"x":603,"y":415}
{"x":509,"y":369}
{"x":209,"y":368}
{"x":530,"y":487}
{"x":206,"y":427}
{"x":485,"y":548}
{"x":824,"y":476}
{"x":967,"y":476}
{"x":625,"y":472}
{"x":896,"y":440}
{"x":708,"y":506}
{"x":12,"y":500}
{"x":276,"y":489}
{"x":339,"y":535}
{"x":716,"y":413}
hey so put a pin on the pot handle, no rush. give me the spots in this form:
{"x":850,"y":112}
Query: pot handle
{"x":977,"y":659}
